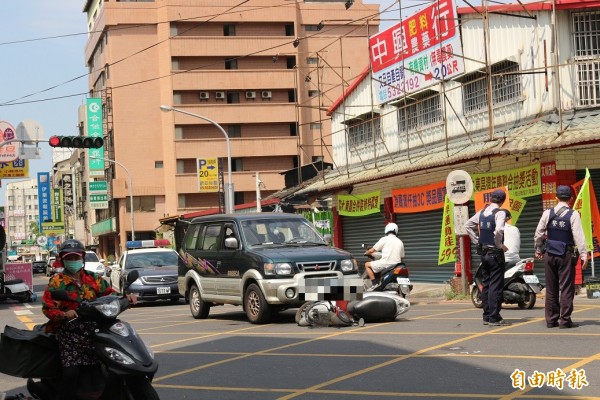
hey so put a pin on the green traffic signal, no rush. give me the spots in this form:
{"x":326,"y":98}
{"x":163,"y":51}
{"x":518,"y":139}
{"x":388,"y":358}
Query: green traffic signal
{"x":79,"y":142}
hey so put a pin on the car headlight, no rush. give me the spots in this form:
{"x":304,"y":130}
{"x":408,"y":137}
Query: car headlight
{"x":278,"y":269}
{"x":348,"y":265}
{"x":110,"y":309}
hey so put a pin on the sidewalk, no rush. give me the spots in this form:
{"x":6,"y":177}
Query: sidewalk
{"x":425,"y":290}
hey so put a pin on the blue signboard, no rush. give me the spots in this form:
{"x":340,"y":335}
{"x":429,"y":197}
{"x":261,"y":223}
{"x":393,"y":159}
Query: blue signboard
{"x":44,"y":197}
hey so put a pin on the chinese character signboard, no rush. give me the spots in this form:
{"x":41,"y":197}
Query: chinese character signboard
{"x":44,"y":197}
{"x":14,"y":169}
{"x":447,"y":249}
{"x":9,"y":152}
{"x":19,"y":271}
{"x":98,"y":191}
{"x":521,"y":182}
{"x":417,"y":52}
{"x":418,"y":199}
{"x":67,"y":187}
{"x":53,"y":228}
{"x":548,"y":170}
{"x":94,"y":129}
{"x":360,"y":204}
{"x":57,"y":205}
{"x":208,"y":175}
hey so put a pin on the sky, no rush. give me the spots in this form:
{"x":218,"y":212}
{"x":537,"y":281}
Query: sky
{"x":29,"y":66}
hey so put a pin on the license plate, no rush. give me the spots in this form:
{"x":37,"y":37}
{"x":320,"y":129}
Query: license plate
{"x":163,"y":290}
{"x":530,"y":279}
{"x":403,"y":281}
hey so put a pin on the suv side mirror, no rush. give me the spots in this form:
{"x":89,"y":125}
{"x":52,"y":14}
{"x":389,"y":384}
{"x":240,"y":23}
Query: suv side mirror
{"x":231,"y":243}
{"x":327,"y":238}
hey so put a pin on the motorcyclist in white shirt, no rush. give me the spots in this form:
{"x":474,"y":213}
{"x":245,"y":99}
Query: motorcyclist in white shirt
{"x":392,"y":251}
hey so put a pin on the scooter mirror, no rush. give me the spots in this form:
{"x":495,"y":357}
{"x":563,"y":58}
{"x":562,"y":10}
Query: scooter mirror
{"x":132,"y":277}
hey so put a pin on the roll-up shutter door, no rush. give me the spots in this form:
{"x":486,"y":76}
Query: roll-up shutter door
{"x":420,"y":233}
{"x":358,"y":230}
{"x":527,"y":223}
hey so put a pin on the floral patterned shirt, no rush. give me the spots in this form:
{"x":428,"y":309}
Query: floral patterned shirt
{"x":89,"y":286}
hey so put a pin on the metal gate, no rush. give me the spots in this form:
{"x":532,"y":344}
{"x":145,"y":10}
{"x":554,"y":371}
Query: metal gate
{"x":358,"y":230}
{"x":420,"y":233}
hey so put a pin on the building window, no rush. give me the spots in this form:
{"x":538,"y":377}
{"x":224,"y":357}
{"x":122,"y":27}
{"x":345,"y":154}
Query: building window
{"x":315,"y":125}
{"x":312,"y":60}
{"x":158,"y":164}
{"x":229,"y":30}
{"x":233,"y":97}
{"x":289,"y":29}
{"x":231,"y":63}
{"x":237,"y":165}
{"x":234,"y":131}
{"x":586,"y":42}
{"x":506,"y":87}
{"x":313,"y":93}
{"x":363,"y":130}
{"x":141,"y":203}
{"x":312,"y":28}
{"x":419,"y":113}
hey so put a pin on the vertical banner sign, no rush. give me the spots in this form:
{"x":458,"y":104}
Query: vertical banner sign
{"x":57,"y":205}
{"x":44,"y":197}
{"x":94,"y":129}
{"x":67,"y":187}
{"x":420,"y":198}
{"x":548,"y":171}
{"x":360,"y":204}
{"x":583,"y":204}
{"x":98,"y":192}
{"x":208,"y":175}
{"x":447,"y":251}
{"x":419,"y":51}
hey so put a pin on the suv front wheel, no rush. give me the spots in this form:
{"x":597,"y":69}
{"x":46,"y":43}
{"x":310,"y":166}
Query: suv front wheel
{"x":199,"y":308}
{"x":256,"y":307}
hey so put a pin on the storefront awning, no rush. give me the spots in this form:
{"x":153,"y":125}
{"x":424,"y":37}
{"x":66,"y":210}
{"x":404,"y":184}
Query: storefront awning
{"x":580,"y":128}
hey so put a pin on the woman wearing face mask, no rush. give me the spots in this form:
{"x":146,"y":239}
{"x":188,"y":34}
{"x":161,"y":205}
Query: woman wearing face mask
{"x":75,"y":346}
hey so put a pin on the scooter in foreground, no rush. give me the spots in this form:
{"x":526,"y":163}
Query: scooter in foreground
{"x":127,"y":363}
{"x":394,"y":278}
{"x":521,"y":285}
{"x":15,"y":289}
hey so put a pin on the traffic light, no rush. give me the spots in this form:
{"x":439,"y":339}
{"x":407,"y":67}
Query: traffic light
{"x":79,"y":142}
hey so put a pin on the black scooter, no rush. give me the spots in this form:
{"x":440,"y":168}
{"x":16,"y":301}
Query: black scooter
{"x":127,"y":363}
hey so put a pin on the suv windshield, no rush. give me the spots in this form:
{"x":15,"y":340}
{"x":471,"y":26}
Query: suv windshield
{"x":91,"y":257}
{"x":151,"y":259}
{"x":280,"y":231}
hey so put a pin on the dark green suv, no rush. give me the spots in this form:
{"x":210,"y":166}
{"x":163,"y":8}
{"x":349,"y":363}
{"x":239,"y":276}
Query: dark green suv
{"x":262,"y":261}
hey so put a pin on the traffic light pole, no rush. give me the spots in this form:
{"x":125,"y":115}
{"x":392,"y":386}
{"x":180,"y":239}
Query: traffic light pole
{"x":130,"y":189}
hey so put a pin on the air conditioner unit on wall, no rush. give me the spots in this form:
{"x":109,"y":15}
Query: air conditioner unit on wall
{"x":219,"y":95}
{"x":250,"y":95}
{"x":204,"y":95}
{"x":266,"y":94}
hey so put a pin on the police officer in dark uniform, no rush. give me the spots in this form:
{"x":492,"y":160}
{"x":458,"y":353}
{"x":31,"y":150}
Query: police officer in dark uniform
{"x":561,"y":226}
{"x":490,"y":222}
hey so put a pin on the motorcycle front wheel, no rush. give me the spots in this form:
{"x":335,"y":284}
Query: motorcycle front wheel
{"x":529,"y":301}
{"x":140,"y":388}
{"x":476,"y":297}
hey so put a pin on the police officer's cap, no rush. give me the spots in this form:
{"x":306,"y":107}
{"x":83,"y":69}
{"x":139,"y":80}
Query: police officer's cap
{"x":563,"y":192}
{"x":498,"y":196}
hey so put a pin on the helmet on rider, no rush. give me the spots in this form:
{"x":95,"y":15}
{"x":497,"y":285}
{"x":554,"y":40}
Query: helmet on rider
{"x":71,"y":246}
{"x":391,"y":227}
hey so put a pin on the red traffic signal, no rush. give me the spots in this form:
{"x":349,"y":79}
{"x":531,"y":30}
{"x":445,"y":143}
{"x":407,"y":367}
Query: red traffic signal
{"x":79,"y":142}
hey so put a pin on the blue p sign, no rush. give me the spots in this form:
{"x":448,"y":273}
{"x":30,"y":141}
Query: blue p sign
{"x":201,"y":163}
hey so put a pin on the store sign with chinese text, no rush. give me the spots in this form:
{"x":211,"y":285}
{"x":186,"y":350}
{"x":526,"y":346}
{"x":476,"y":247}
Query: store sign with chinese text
{"x":208,"y":175}
{"x":417,"y":52}
{"x":10,"y":151}
{"x":360,"y":204}
{"x":95,"y":129}
{"x":98,"y":192}
{"x":18,"y":168}
{"x":419,"y":198}
{"x":521,"y":182}
{"x":44,"y":197}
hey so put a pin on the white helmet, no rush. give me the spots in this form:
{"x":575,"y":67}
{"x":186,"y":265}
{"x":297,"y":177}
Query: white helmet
{"x":391,"y":227}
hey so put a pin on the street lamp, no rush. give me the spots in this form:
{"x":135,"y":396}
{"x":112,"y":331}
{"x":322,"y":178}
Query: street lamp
{"x":229,"y":191}
{"x":130,"y":190}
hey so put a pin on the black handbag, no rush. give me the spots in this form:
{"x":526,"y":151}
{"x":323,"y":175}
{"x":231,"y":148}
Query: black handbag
{"x":28,"y":354}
